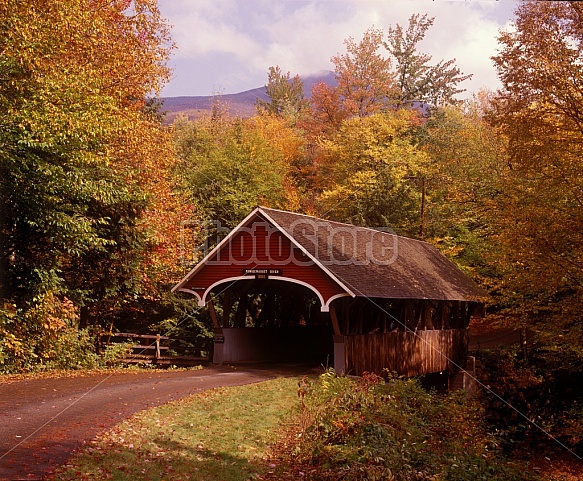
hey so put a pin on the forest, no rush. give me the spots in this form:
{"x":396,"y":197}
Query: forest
{"x":96,"y":189}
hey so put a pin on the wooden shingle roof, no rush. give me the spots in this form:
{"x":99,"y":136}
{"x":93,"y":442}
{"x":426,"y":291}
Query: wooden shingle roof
{"x":375,"y":263}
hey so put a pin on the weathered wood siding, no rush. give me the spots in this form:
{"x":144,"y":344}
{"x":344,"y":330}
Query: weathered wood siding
{"x":406,"y":353}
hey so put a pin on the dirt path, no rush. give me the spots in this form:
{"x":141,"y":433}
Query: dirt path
{"x":43,"y":421}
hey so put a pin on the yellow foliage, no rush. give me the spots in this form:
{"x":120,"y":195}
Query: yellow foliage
{"x":54,"y":314}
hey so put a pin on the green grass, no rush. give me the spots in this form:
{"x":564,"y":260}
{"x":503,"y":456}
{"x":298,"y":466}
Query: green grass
{"x":223,"y":434}
{"x":364,"y":429}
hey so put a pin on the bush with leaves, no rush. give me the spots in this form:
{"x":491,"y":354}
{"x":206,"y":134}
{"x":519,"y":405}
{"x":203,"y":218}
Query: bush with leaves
{"x":114,"y":354}
{"x":530,"y":400}
{"x":371,"y":429}
{"x":44,"y":337}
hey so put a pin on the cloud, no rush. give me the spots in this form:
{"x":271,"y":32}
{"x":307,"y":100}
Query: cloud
{"x":209,"y":27}
{"x":232,"y":43}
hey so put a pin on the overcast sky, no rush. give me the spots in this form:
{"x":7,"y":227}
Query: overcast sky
{"x":227,"y":46}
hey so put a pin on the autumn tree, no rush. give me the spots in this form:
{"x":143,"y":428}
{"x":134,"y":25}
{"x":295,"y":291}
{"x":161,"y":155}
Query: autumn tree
{"x":368,"y":82}
{"x":286,"y":95}
{"x":363,"y":75}
{"x":416,"y":79}
{"x":540,"y":216}
{"x":463,"y":182}
{"x":364,"y":81}
{"x":229,"y":167}
{"x":290,"y":145}
{"x":80,"y":147}
{"x":374,"y":166}
{"x":326,"y":110}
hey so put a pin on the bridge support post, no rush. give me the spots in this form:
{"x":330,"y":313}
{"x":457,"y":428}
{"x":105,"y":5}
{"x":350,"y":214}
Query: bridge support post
{"x":218,"y":346}
{"x":339,"y":355}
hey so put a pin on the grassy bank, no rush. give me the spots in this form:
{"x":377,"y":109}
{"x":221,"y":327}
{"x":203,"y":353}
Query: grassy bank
{"x":365,"y":429}
{"x":222,"y":434}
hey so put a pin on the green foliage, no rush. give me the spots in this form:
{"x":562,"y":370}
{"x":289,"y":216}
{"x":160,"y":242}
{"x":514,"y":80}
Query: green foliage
{"x":188,"y":318}
{"x":372,"y":429}
{"x":224,"y":170}
{"x":416,"y":79}
{"x":79,"y":142}
{"x":286,"y":95}
{"x":115,"y":353}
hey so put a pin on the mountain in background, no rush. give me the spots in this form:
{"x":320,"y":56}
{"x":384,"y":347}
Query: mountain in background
{"x":241,"y":104}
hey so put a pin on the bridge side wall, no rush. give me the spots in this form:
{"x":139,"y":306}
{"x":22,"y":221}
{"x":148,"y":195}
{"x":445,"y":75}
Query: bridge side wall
{"x":406,"y":353}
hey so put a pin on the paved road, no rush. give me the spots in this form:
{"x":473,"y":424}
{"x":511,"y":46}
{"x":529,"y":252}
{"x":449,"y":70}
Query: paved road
{"x":43,"y":421}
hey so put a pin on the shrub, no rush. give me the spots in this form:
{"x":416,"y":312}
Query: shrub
{"x":15,"y":352}
{"x":114,"y":354}
{"x":43,"y":337}
{"x":370,"y":429}
{"x":547,"y":388}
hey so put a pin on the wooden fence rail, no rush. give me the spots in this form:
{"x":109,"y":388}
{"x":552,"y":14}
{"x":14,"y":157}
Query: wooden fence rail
{"x":161,"y":350}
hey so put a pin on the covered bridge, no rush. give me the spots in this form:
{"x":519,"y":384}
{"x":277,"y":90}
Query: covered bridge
{"x":285,"y":286}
